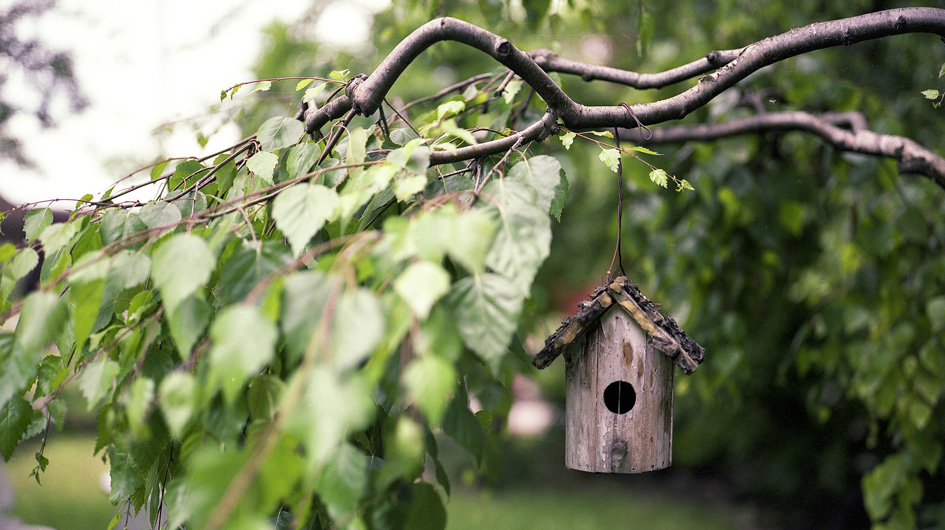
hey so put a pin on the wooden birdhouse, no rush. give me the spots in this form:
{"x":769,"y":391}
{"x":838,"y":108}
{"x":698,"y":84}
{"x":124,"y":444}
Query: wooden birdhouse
{"x":619,"y":353}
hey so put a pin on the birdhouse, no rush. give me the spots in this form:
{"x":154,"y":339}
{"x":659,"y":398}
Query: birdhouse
{"x":619,"y":353}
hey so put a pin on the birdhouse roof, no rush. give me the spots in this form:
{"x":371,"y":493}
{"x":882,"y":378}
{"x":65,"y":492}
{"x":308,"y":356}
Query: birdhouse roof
{"x":664,"y":334}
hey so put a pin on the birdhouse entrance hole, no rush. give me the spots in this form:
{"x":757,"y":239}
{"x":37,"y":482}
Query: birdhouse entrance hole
{"x":619,"y":397}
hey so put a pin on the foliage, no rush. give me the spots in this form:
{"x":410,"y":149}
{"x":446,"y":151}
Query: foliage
{"x":280,"y":336}
{"x":279,"y":296}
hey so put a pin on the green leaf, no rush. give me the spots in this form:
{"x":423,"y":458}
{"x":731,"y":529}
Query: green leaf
{"x":129,"y":268}
{"x":262,"y":86}
{"x":942,"y":71}
{"x":178,"y":400}
{"x":560,"y":198}
{"x":880,"y":484}
{"x":364,"y":184}
{"x":660,"y":177}
{"x":302,"y":84}
{"x":85,"y":299}
{"x":302,"y":210}
{"x":278,"y":132}
{"x":421,"y":285}
{"x":644,"y":150}
{"x":180,"y":266}
{"x":486,"y":310}
{"x":22,"y":263}
{"x":543,"y":174}
{"x":159,"y":213}
{"x":935,"y":309}
{"x":429,"y":381}
{"x":332,"y":406}
{"x":342,"y":481}
{"x":224,"y":178}
{"x":463,"y":427}
{"x":306,"y":295}
{"x":41,"y":321}
{"x":35,"y":221}
{"x":356,"y":150}
{"x":450,"y":108}
{"x":98,"y":379}
{"x":158,"y":169}
{"x":684,"y":185}
{"x":263,"y":164}
{"x":406,"y":188}
{"x":243,"y":342}
{"x":138,"y":403}
{"x":186,"y":173}
{"x":7,"y":251}
{"x":119,"y":224}
{"x":313,"y":92}
{"x":646,"y":26}
{"x":524,"y":238}
{"x":301,"y":158}
{"x":250,"y":265}
{"x":187,"y":322}
{"x":919,"y":413}
{"x":610,"y":158}
{"x":358,"y":327}
{"x":471,"y":235}
{"x":567,"y":139}
{"x":340,"y":75}
{"x":57,"y":236}
{"x":930,"y":94}
{"x":15,"y":418}
{"x":426,"y":509}
{"x":511,"y":90}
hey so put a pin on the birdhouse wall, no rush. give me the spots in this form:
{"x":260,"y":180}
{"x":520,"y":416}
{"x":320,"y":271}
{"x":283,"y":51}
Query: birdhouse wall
{"x":631,"y":439}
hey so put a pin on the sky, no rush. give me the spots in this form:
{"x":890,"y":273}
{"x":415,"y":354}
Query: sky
{"x":143,"y":64}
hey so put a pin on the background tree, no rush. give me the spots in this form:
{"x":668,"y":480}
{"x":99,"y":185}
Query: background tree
{"x":278,"y":337}
{"x":26,"y":62}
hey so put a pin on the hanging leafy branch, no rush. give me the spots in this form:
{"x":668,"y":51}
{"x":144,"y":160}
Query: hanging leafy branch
{"x":276,"y":337}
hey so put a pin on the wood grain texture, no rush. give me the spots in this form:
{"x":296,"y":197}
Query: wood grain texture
{"x":601,"y":441}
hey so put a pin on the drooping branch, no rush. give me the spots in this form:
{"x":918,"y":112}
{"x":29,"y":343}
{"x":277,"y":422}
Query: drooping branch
{"x":845,"y":131}
{"x":365,"y":94}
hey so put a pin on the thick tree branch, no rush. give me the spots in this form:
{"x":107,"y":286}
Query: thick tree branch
{"x":911,"y":157}
{"x":366,"y":95}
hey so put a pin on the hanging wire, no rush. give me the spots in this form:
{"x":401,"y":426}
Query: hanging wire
{"x":646,"y":134}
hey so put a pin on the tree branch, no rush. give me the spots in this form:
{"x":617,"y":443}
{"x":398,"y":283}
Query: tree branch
{"x":551,"y":62}
{"x":366,"y":95}
{"x":911,"y":157}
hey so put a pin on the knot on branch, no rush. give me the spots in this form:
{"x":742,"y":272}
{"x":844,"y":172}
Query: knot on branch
{"x":715,"y":58}
{"x":847,"y":37}
{"x":900,"y":23}
{"x":350,"y":88}
{"x":550,"y":126}
{"x":502,"y":49}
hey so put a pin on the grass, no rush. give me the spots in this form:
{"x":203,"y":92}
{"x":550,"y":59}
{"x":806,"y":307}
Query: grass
{"x":70,"y":496}
{"x":578,"y":509}
{"x":71,"y":499}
